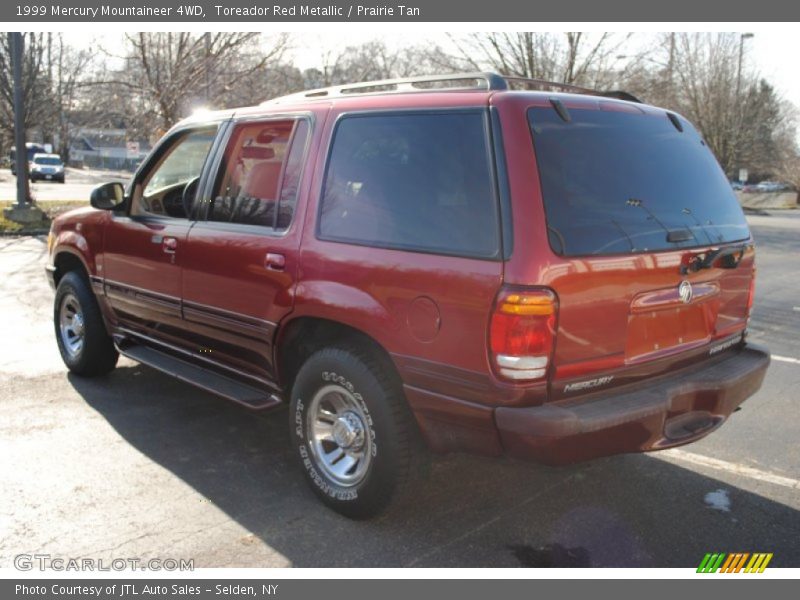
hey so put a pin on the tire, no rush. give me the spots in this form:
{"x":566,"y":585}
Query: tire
{"x":355,"y":404}
{"x":84,"y":344}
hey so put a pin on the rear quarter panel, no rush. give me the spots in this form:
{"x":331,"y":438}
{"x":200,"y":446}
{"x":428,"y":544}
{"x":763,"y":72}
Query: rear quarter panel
{"x":429,"y":311}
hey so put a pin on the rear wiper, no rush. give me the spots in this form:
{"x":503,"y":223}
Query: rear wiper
{"x":674,"y":236}
{"x":721,"y":258}
{"x":688,"y":211}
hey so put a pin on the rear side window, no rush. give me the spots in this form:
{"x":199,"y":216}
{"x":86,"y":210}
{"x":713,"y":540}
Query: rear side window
{"x":619,"y":182}
{"x":412,"y":181}
{"x":259,"y":177}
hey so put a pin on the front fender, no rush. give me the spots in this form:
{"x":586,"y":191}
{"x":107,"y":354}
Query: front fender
{"x":78,"y":233}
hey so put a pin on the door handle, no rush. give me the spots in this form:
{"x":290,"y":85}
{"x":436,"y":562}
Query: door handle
{"x":169,"y":245}
{"x":274,"y":261}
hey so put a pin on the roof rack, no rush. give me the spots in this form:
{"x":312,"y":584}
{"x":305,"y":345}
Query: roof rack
{"x":449,"y":82}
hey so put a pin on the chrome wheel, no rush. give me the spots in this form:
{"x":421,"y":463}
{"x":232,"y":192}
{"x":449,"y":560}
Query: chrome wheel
{"x":339,"y":436}
{"x":71,"y":325}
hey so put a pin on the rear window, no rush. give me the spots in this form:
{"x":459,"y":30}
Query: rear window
{"x":623,"y":182}
{"x":412,"y":181}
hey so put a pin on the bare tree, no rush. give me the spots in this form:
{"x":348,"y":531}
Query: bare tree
{"x":371,"y":61}
{"x":35,"y":89}
{"x":790,"y":172}
{"x":705,"y":76}
{"x":571,"y":57}
{"x":166,"y":73}
{"x":68,"y":71}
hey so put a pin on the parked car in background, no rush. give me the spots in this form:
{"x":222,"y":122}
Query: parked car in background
{"x":31,"y":149}
{"x":46,"y":167}
{"x":546,"y":272}
{"x":737,"y":185}
{"x":772,"y":186}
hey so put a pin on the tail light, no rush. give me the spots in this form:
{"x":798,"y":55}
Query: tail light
{"x":522,"y":332}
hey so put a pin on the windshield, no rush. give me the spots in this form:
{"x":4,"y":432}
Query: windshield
{"x":183,"y":162}
{"x":47,"y":160}
{"x":623,"y":182}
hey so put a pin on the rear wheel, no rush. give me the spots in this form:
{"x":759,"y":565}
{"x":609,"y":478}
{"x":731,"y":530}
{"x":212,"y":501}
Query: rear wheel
{"x":352,"y":430}
{"x":84,"y":344}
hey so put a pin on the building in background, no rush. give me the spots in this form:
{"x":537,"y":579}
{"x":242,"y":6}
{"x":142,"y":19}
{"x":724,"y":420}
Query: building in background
{"x":106,"y":149}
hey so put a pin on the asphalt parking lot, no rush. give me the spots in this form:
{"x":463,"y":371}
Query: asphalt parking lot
{"x":139,"y":465}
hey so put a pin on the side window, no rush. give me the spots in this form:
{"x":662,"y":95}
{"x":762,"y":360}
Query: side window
{"x":260,"y":174}
{"x":161,"y":191}
{"x":412,"y":181}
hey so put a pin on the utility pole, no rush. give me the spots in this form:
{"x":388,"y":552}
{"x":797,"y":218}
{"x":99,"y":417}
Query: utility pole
{"x":23,"y":213}
{"x":15,"y":43}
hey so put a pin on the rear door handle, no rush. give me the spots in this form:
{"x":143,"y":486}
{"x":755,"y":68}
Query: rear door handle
{"x":274,"y":261}
{"x":169,"y":245}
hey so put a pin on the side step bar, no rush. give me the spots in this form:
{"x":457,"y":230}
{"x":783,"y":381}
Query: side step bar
{"x":238,"y":392}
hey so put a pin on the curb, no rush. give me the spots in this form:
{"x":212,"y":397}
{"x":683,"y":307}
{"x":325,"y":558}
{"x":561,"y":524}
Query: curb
{"x":755,"y":211}
{"x":31,"y":232}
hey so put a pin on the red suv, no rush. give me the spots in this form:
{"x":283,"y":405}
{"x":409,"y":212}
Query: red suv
{"x":490,"y":265}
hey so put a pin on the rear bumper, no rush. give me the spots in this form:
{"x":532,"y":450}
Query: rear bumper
{"x":669,"y":411}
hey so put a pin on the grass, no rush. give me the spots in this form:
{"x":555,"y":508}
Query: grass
{"x":50,"y":209}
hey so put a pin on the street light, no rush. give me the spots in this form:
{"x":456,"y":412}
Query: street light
{"x":742,"y":38}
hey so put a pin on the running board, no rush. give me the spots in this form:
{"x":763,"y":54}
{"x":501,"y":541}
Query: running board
{"x":218,"y":384}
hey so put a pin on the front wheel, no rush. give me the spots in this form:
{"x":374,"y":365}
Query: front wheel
{"x":84,"y":344}
{"x":352,"y":430}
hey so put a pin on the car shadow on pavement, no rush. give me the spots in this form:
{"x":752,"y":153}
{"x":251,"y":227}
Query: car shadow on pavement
{"x":628,"y":511}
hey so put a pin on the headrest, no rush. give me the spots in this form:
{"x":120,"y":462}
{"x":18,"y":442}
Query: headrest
{"x":257,"y":153}
{"x":270,"y":134}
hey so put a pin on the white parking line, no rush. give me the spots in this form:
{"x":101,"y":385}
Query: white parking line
{"x":729,"y":467}
{"x":786,"y":359}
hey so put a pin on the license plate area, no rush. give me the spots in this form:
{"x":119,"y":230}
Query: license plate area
{"x":659,"y":322}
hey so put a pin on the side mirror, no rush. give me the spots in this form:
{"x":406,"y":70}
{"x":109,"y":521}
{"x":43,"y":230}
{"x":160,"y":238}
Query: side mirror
{"x":108,"y":196}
